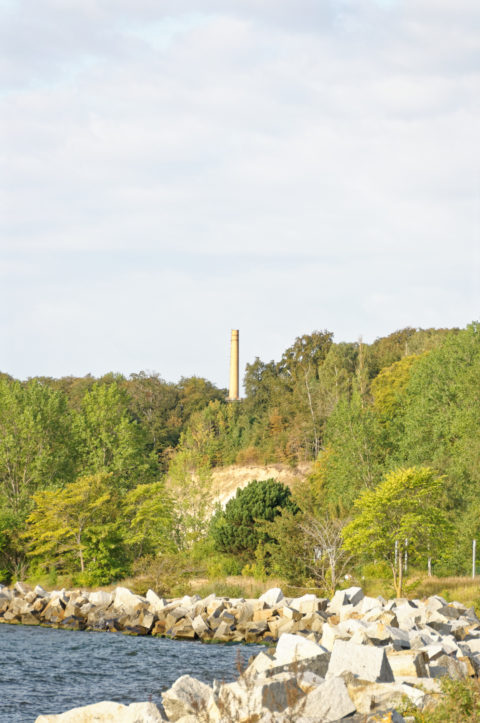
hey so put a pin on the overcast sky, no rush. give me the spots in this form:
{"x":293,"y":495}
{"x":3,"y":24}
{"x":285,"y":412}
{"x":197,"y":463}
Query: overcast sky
{"x":173,"y":169}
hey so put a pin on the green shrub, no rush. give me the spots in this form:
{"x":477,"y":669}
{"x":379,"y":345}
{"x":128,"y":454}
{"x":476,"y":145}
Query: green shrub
{"x":460,"y":704}
{"x":235,"y":529}
{"x":376,"y":571}
{"x":223,"y":565}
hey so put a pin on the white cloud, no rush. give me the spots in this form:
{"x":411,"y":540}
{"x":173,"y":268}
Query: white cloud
{"x":337,"y":139}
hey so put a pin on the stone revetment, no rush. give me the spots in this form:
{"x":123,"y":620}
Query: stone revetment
{"x":353,"y":657}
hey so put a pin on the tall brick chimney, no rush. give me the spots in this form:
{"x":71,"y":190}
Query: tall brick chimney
{"x":233,"y":392}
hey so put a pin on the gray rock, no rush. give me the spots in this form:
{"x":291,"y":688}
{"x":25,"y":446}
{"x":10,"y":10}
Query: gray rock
{"x":473,"y":644}
{"x":272,"y":597}
{"x":368,"y":697}
{"x":187,"y":696}
{"x":242,"y":701}
{"x":155,"y":602}
{"x":107,"y":712}
{"x":21,"y":589}
{"x":446,"y":665}
{"x":40,"y":592}
{"x":433,"y":651}
{"x":368,"y":604}
{"x":100,"y":598}
{"x":292,"y":648}
{"x":331,"y":633}
{"x":329,"y":701}
{"x":408,"y":663}
{"x":354,"y":595}
{"x":200,"y":626}
{"x":339,"y":599}
{"x":435,"y":602}
{"x":126,"y":600}
{"x":366,"y":662}
{"x":306,"y":604}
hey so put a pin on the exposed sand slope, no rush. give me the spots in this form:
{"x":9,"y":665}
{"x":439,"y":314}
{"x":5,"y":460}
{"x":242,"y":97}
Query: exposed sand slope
{"x":226,"y":480}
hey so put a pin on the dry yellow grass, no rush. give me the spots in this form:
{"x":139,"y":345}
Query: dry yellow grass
{"x":464,"y":589}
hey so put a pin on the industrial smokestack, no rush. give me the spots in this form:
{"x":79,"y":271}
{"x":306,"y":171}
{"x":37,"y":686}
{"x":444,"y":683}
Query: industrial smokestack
{"x":233,"y":393}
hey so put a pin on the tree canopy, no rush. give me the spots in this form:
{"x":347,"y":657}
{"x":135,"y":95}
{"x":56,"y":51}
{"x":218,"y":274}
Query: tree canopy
{"x":401,"y":514}
{"x":236,"y":528}
{"x":351,"y":412}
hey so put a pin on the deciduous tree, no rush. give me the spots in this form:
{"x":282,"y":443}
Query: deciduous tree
{"x":403,"y":507}
{"x":78,"y":523}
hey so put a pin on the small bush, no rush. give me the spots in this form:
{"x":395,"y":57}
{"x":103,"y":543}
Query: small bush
{"x":460,"y":704}
{"x":221,"y":588}
{"x":377,"y":571}
{"x":223,"y":565}
{"x":249,"y":455}
{"x":167,"y":575}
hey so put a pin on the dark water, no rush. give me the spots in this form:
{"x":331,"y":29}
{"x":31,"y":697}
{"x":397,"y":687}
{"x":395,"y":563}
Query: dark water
{"x":44,"y":670}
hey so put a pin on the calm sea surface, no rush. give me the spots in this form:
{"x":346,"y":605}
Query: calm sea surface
{"x":49,"y":671}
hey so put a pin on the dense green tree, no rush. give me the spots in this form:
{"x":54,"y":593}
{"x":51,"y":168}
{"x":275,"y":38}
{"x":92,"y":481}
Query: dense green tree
{"x":74,"y":388}
{"x":389,"y":386}
{"x":356,"y":455}
{"x":154,"y":403}
{"x":389,"y":349}
{"x":303,"y":359}
{"x":147,"y":513}
{"x":404,"y":507}
{"x":195,"y":393}
{"x":36,"y":440}
{"x":300,"y":364}
{"x":78,"y":529}
{"x":440,"y":420}
{"x":356,"y":410}
{"x":236,"y":528}
{"x":111,"y":440}
{"x":262,"y":386}
{"x":336,"y":375}
{"x":37,"y":449}
{"x":287,"y":546}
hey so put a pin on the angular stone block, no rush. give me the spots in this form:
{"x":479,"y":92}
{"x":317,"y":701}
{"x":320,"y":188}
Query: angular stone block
{"x":329,"y":701}
{"x":292,"y":648}
{"x":187,"y":696}
{"x":368,"y":663}
{"x":413,"y":663}
{"x":272,"y":597}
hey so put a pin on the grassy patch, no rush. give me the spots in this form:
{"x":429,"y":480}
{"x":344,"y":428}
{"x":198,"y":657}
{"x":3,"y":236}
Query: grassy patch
{"x":460,"y":703}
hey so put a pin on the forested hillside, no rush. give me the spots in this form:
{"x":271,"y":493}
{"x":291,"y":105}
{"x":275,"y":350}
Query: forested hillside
{"x":101,"y":478}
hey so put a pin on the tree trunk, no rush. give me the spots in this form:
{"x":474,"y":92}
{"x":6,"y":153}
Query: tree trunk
{"x":400,"y":574}
{"x":80,"y":552}
{"x":397,"y":570}
{"x":316,"y":441}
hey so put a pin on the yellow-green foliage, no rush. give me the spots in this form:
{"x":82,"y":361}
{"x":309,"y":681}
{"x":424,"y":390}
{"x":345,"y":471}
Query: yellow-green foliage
{"x":460,"y":703}
{"x":403,"y":507}
{"x":388,"y":385}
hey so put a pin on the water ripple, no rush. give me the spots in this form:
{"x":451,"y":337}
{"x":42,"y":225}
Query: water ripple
{"x":49,"y":671}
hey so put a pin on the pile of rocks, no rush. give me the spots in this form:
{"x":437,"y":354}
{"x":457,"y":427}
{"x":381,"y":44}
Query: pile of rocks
{"x":191,"y":617}
{"x":353,"y":657}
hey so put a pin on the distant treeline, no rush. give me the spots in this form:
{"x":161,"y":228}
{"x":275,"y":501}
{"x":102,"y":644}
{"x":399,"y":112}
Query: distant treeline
{"x":142,"y":449}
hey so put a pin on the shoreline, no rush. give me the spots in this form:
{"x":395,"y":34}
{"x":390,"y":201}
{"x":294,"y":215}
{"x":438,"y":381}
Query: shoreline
{"x":369,"y":659}
{"x":211,"y":620}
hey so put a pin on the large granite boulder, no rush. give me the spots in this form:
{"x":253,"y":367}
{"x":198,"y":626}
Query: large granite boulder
{"x":366,"y":662}
{"x":107,"y":712}
{"x":187,"y":696}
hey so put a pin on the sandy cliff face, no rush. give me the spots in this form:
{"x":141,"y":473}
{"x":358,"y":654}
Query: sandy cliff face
{"x":226,"y":480}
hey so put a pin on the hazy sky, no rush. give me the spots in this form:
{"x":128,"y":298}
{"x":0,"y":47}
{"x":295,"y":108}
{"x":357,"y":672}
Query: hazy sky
{"x":172,"y":169}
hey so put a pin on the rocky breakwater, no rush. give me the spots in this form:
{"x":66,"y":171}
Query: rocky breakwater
{"x":366,"y":657}
{"x":209,"y":619}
